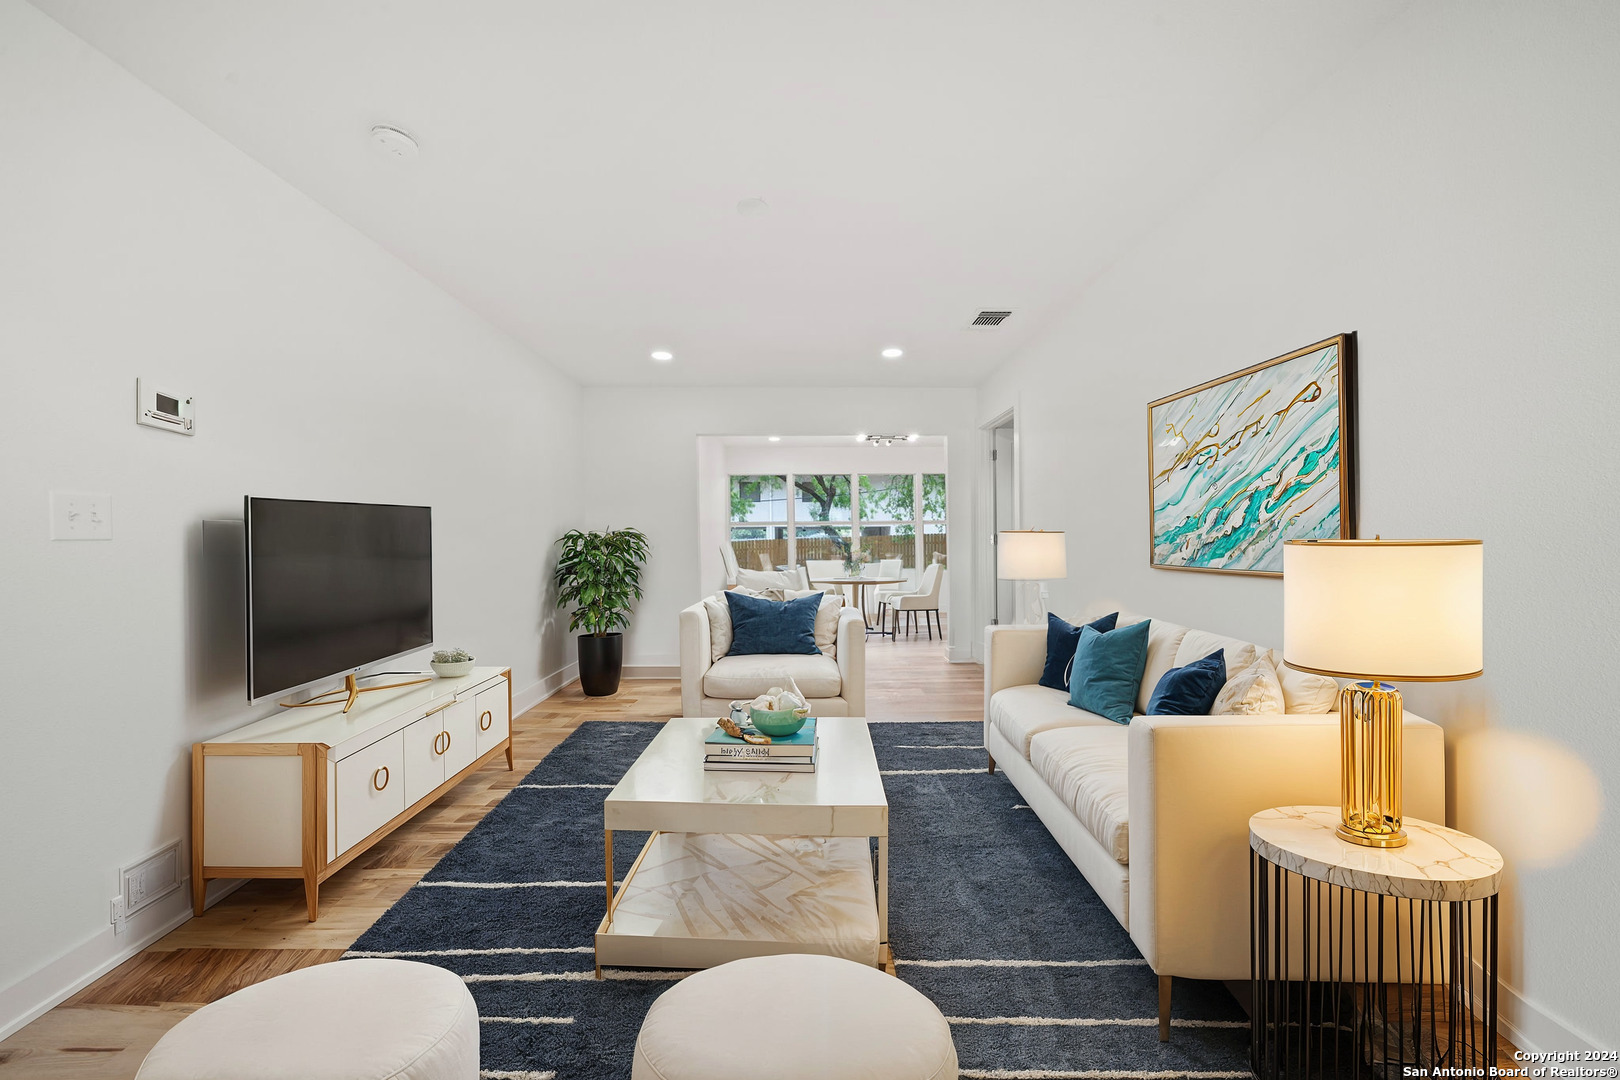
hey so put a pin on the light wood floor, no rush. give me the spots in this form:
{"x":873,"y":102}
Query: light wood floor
{"x":261,"y":930}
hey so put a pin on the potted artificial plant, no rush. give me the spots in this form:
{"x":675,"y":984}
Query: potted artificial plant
{"x":599,"y":574}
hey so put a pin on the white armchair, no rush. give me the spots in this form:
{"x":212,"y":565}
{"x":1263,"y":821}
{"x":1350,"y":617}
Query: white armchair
{"x":832,"y":687}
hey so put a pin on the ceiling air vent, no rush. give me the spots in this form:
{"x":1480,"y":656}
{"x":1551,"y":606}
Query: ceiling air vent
{"x":986,"y":320}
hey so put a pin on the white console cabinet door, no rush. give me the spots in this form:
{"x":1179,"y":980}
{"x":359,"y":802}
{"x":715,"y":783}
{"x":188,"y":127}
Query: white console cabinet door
{"x":424,"y":767}
{"x":370,"y":790}
{"x":494,"y":717}
{"x":461,"y":737}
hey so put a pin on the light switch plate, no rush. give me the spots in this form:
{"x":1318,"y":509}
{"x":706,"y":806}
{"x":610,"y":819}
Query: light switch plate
{"x":81,"y":515}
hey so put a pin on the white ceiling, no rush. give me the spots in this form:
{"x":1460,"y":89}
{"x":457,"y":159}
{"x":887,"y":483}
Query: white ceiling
{"x":581,"y":163}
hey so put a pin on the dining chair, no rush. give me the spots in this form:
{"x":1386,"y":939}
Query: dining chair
{"x":925,"y":600}
{"x":728,"y":559}
{"x":765,"y":561}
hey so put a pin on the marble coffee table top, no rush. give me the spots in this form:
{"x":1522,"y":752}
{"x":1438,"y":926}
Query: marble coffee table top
{"x":1437,"y":863}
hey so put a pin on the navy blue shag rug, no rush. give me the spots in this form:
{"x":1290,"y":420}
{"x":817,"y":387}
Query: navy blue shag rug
{"x":987,"y":917}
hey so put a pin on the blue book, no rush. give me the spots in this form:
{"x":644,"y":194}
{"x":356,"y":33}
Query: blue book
{"x":800,"y":744}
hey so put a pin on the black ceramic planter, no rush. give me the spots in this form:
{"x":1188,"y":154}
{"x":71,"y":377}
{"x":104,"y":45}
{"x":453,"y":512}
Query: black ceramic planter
{"x":601,"y":661}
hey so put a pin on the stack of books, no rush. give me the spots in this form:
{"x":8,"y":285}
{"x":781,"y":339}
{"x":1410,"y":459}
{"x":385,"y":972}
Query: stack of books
{"x":784,"y":753}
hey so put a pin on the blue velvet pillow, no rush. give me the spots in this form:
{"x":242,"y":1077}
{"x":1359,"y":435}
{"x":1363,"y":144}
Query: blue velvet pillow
{"x":1061,"y":638}
{"x":1190,"y":690}
{"x":1108,"y":670}
{"x":772,"y":626}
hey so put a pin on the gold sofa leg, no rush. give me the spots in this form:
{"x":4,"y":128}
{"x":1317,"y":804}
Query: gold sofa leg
{"x":1164,"y":1008}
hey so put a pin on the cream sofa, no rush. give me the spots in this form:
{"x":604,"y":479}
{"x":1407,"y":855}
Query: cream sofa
{"x":834,"y":687}
{"x":1156,"y":814}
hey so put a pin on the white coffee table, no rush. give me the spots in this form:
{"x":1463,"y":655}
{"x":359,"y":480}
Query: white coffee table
{"x":748,"y":864}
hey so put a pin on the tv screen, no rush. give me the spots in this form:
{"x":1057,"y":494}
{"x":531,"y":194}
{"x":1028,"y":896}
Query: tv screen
{"x":333,"y":586}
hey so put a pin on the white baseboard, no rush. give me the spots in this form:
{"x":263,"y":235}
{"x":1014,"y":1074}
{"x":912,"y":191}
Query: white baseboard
{"x":961,"y":654}
{"x":653,"y":671}
{"x":1528,"y":1026}
{"x":47,"y":986}
{"x":536,"y":692}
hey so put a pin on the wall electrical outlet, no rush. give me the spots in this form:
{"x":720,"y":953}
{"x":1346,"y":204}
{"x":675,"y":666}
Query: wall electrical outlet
{"x":120,"y":921}
{"x":145,"y":883}
{"x":81,"y":515}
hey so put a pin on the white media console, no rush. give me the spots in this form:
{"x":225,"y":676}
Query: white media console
{"x":302,"y":793}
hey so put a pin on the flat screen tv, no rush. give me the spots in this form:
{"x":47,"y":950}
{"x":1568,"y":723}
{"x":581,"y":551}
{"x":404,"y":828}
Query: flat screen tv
{"x":333,"y":586}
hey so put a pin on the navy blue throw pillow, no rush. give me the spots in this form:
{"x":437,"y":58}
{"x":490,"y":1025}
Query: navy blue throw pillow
{"x":772,"y":626}
{"x":1190,"y":690}
{"x":1061,"y":639}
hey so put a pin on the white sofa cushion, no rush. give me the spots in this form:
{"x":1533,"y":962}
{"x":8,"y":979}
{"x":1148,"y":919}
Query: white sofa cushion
{"x":1086,"y":768}
{"x":1164,"y":638}
{"x":1022,"y":712}
{"x":732,"y":677}
{"x":826,"y":630}
{"x":1197,"y":644}
{"x":1249,"y":692}
{"x":1303,"y":691}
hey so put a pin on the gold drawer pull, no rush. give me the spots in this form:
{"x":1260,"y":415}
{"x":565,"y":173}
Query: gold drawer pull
{"x":486,"y":720}
{"x":437,"y":749}
{"x":382,"y":771}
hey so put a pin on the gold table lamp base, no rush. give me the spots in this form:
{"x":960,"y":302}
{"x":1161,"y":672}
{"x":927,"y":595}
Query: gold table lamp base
{"x":1370,"y":726}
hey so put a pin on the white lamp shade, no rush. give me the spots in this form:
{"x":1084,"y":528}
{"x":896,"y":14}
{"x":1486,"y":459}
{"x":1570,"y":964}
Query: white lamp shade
{"x":1031,"y":555}
{"x":1402,"y":610}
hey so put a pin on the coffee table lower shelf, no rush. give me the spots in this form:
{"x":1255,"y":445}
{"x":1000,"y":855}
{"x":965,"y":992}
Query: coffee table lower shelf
{"x":695,"y":900}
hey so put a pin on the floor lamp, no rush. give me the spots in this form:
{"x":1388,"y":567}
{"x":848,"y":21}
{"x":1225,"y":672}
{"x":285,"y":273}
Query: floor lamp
{"x":1382,"y":611}
{"x":1031,"y":556}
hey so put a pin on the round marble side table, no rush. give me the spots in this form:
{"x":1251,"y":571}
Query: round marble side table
{"x":1363,"y":960}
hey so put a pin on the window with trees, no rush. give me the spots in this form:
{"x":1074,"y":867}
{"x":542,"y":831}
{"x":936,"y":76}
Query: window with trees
{"x":791,"y":519}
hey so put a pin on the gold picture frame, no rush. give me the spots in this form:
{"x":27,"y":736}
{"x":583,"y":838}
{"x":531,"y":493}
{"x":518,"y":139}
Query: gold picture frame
{"x":1241,"y":463}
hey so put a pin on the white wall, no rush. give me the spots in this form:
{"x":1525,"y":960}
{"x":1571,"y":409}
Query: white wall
{"x":1449,"y":193}
{"x":644,"y":448}
{"x":133,"y":242}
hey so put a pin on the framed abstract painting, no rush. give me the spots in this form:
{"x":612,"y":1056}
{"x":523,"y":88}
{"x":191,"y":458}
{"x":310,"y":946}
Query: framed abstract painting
{"x":1241,"y":463}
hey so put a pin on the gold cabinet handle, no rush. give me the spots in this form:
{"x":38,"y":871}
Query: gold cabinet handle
{"x":445,"y":736}
{"x":382,"y":771}
{"x":486,"y":720}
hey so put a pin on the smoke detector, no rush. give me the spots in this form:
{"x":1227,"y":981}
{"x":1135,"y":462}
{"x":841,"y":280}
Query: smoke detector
{"x":988,"y":320}
{"x":392,"y":142}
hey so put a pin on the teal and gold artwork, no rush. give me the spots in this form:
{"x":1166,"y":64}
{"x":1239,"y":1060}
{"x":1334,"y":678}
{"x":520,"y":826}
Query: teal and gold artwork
{"x":1241,"y":463}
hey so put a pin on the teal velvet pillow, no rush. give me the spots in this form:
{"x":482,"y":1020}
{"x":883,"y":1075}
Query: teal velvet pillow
{"x":1108,"y":670}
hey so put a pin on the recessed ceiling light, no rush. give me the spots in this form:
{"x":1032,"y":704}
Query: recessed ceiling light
{"x":861,"y":437}
{"x":773,"y":438}
{"x":912,"y":437}
{"x":892,"y":353}
{"x":392,"y":142}
{"x":663,"y":356}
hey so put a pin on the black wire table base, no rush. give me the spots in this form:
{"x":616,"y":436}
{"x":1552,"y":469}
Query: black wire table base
{"x":1350,"y":983}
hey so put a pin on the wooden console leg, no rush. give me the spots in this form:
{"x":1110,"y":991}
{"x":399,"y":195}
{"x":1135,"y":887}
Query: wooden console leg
{"x":199,"y":893}
{"x":992,"y":760}
{"x":510,"y":766}
{"x":312,"y":889}
{"x":1164,"y":1008}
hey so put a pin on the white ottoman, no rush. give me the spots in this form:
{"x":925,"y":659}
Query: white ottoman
{"x":793,"y":1017}
{"x":351,"y":1020}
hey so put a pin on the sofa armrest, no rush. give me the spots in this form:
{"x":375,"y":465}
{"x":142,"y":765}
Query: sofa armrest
{"x":694,"y":657}
{"x":852,"y":659}
{"x":1013,"y":656}
{"x":1194,"y":783}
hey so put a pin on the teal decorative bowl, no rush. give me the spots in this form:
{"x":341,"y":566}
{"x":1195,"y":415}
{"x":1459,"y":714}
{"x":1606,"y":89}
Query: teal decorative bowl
{"x":778,"y":724}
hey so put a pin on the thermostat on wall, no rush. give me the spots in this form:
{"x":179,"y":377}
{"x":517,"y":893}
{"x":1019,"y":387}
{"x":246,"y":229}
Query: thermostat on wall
{"x":163,"y":409}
